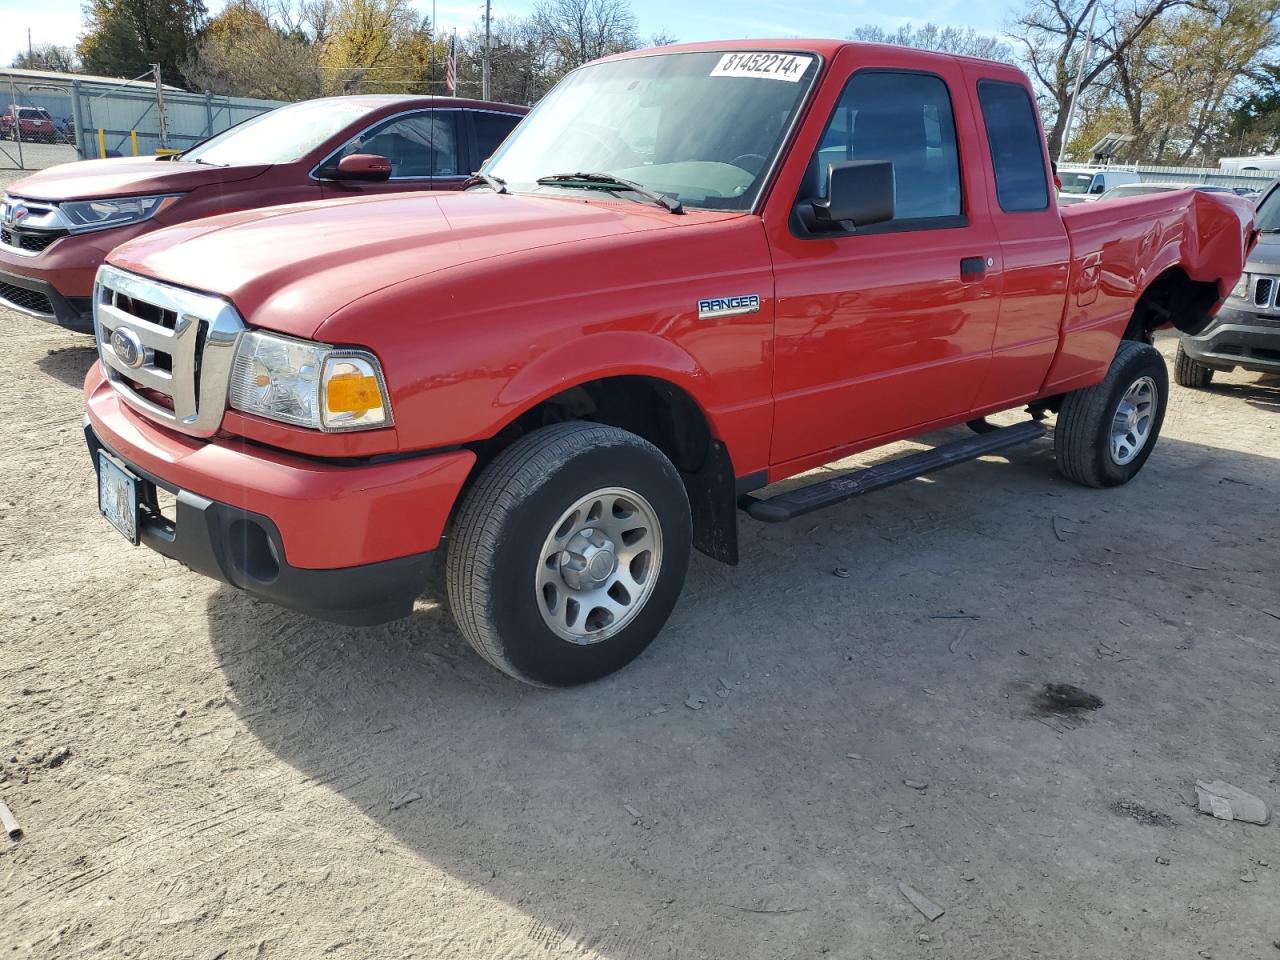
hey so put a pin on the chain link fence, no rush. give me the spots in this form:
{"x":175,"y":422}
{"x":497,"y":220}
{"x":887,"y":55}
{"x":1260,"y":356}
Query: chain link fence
{"x":47,"y":119}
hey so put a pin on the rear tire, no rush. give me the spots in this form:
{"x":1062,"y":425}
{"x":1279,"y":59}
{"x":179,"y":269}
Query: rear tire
{"x":568,"y":553}
{"x":1106,"y":432}
{"x":1190,"y":373}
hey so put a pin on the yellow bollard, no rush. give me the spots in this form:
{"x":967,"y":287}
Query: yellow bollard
{"x":133,"y":138}
{"x":102,"y":143}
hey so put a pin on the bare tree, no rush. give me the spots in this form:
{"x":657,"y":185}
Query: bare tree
{"x":1051,"y":33}
{"x":967,"y":41}
{"x":579,"y":31}
{"x":48,"y":56}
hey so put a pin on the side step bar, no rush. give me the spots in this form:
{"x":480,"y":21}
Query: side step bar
{"x":824,"y":493}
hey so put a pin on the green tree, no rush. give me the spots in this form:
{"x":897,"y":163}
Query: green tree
{"x":124,"y":37}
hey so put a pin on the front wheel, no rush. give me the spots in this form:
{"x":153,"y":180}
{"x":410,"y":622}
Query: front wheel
{"x":1106,"y":432}
{"x":1190,"y":373}
{"x":569,"y":553}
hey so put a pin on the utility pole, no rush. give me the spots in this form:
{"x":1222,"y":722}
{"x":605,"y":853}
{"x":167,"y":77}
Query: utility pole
{"x":164,"y":126}
{"x":1084,"y":59}
{"x":484,"y":76}
{"x":30,"y":55}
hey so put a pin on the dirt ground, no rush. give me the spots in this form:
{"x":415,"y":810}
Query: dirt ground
{"x":244,"y":782}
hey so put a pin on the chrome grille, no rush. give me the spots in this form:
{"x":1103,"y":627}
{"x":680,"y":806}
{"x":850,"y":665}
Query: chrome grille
{"x":1264,"y":291}
{"x":166,"y":351}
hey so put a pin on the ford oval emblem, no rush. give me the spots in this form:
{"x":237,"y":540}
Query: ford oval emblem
{"x":126,"y":345}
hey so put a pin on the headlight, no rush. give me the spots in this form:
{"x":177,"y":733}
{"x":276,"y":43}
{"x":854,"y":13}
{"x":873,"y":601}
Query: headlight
{"x":309,"y":384}
{"x":85,"y":215}
{"x":1241,"y":289}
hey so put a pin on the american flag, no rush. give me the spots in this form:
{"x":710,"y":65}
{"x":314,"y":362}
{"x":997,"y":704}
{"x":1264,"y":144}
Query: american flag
{"x":451,"y":66}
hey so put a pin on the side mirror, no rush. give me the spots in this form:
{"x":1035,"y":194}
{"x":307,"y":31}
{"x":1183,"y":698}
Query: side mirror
{"x":1099,"y":187}
{"x":362,"y":166}
{"x":859,"y":193}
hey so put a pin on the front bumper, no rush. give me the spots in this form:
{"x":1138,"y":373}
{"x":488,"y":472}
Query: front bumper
{"x":38,"y":298}
{"x":1238,"y":338}
{"x":347,"y":543}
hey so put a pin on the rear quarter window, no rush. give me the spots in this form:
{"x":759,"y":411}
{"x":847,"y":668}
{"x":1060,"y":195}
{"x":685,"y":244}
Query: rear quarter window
{"x":1013,"y":134}
{"x":491,"y":129}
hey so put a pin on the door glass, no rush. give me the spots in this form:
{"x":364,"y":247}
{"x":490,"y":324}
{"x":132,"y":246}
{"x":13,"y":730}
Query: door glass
{"x":904,"y":118}
{"x":418,"y":145}
{"x":491,"y":129}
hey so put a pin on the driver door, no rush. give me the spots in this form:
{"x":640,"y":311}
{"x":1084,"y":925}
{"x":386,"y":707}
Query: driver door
{"x":888,"y":329}
{"x":424,"y":148}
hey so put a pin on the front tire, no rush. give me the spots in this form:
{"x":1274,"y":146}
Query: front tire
{"x":1106,"y":432}
{"x":1190,"y":373}
{"x":568,"y":554}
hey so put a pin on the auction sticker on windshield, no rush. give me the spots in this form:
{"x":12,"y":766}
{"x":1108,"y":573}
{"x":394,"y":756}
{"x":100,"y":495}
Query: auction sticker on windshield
{"x":770,"y":66}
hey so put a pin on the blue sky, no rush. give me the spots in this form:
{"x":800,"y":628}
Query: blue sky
{"x":58,"y":21}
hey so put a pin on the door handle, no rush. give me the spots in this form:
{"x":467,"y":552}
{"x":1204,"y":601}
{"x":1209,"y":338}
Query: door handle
{"x":973,"y":268}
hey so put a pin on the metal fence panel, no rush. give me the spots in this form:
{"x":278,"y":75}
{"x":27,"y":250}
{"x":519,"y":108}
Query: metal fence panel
{"x":1210,"y":176}
{"x":126,"y":121}
{"x":36,"y":128}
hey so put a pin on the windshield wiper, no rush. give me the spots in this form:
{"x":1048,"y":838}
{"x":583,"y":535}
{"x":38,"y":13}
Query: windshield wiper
{"x":606,"y":181}
{"x":496,"y":184}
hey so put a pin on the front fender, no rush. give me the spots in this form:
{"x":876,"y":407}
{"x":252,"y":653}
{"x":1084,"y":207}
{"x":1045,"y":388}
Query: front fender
{"x":615,"y":353}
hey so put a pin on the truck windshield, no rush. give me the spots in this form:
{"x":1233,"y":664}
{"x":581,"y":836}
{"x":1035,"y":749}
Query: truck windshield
{"x":1075,"y":182}
{"x":701,"y":128}
{"x":281,"y":136}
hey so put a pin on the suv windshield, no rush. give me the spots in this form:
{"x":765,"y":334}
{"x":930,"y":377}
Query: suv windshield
{"x":701,"y":128}
{"x":281,"y":136}
{"x":1267,"y":217}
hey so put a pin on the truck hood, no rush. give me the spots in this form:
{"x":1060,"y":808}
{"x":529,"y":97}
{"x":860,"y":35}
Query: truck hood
{"x":290,"y":268}
{"x":126,"y":176}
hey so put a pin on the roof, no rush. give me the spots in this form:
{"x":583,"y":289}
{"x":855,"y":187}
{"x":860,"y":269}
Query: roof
{"x":54,"y":76}
{"x":376,"y":100}
{"x":826,"y":48}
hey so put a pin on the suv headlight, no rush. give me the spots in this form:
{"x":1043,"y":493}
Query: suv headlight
{"x":84,"y":215}
{"x":1241,"y":289}
{"x":309,"y":384}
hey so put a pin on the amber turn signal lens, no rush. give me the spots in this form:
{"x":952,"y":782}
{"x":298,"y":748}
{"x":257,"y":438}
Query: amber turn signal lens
{"x":353,"y":393}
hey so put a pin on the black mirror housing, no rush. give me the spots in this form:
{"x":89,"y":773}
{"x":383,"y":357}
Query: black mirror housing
{"x":859,"y":192}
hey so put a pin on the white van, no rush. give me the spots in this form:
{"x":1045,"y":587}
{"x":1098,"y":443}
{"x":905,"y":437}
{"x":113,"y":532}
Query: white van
{"x":1080,"y":184}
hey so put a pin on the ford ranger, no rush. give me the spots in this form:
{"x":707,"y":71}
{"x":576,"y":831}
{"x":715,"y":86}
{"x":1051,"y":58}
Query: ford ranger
{"x":689,"y":273}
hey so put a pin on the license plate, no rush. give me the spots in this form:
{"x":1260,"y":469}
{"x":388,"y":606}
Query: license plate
{"x":118,"y":497}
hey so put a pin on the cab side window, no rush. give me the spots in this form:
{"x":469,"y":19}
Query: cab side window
{"x":904,"y":118}
{"x":1017,"y":156}
{"x":418,"y":145}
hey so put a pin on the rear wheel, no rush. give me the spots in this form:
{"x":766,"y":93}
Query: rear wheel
{"x":1106,"y":432}
{"x":569,"y":553}
{"x":1190,"y":373}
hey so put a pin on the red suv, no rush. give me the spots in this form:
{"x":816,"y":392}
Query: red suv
{"x":27,"y":123}
{"x":58,"y":225}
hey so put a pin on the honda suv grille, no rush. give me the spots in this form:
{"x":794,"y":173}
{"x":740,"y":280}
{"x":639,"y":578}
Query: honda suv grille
{"x":166,"y":351}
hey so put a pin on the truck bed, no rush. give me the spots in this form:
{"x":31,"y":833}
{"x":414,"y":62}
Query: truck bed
{"x":1119,"y":247}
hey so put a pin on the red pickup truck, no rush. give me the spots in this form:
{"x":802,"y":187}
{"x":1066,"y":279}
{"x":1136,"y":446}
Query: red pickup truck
{"x":57,"y":225}
{"x":690,"y":272}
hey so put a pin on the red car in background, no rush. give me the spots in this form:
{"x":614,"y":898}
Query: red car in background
{"x":28,"y":123}
{"x":57,"y":226}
